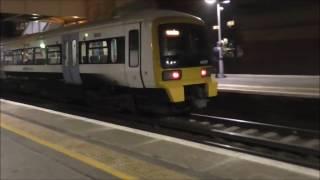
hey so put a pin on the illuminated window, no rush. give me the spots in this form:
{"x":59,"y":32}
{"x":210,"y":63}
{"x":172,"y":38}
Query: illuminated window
{"x":40,"y":56}
{"x":106,"y":51}
{"x":17,"y":57}
{"x":114,"y":51}
{"x":27,"y":56}
{"x":54,"y":54}
{"x":98,"y":52}
{"x":8,"y":57}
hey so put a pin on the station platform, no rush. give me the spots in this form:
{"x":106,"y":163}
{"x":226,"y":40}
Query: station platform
{"x":38,"y":143}
{"x":276,"y":85}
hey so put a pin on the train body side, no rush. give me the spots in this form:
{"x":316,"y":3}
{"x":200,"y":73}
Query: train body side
{"x":132,"y":58}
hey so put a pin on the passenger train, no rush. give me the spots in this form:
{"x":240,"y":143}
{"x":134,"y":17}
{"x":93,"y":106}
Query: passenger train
{"x":158,"y":58}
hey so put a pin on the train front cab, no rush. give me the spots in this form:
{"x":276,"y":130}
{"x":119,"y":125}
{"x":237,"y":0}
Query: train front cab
{"x":182,"y":59}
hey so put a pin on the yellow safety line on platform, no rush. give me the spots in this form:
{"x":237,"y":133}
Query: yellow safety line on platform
{"x":69,"y":153}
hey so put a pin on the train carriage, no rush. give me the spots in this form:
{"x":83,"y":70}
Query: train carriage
{"x":157,"y":57}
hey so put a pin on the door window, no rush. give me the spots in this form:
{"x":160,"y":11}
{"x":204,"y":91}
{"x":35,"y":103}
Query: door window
{"x":114,"y":51}
{"x":134,"y":47}
{"x":66,"y":53}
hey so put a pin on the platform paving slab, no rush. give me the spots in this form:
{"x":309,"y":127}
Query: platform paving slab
{"x":184,"y":156}
{"x":119,"y":138}
{"x":123,"y":162}
{"x":22,"y":159}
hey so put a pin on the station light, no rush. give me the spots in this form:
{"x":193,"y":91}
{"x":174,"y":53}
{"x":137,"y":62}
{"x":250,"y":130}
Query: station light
{"x":210,"y":1}
{"x":219,"y":1}
{"x":42,"y":45}
{"x":86,"y":35}
{"x":231,"y":23}
{"x":219,"y":29}
{"x":216,"y":27}
{"x":226,"y":2}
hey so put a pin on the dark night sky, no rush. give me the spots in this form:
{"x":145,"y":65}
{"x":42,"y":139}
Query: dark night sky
{"x":277,"y":37}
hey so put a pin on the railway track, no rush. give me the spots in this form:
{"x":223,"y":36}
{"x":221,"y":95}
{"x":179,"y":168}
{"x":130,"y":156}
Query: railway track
{"x":293,"y":145}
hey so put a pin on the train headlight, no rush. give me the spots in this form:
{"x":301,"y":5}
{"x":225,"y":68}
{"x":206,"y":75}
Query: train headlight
{"x":171,"y":75}
{"x":206,"y":72}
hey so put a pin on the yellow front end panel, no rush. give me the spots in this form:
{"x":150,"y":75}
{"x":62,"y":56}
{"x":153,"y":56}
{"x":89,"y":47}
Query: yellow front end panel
{"x":190,"y":76}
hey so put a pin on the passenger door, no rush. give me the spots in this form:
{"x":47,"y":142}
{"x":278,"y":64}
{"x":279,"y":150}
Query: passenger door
{"x":133,"y":46}
{"x":70,"y":60}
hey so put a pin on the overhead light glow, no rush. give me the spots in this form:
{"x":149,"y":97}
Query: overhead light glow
{"x":42,"y":45}
{"x":215,"y":27}
{"x":35,"y":14}
{"x":86,"y":35}
{"x":172,"y":32}
{"x":226,"y":2}
{"x":221,"y":8}
{"x":75,"y":17}
{"x":231,"y":23}
{"x":210,"y":1}
{"x":225,"y":41}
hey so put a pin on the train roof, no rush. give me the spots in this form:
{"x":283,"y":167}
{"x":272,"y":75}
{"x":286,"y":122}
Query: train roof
{"x":145,"y":15}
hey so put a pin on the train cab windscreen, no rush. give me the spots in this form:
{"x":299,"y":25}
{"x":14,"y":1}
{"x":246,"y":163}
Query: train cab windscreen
{"x":183,"y":45}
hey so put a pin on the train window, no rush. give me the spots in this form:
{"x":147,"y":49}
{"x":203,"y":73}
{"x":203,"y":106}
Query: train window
{"x":134,"y":48}
{"x":17,"y":57}
{"x":106,"y":51}
{"x":40,"y":56}
{"x":98,"y":52}
{"x":183,"y":45}
{"x":83,"y":53}
{"x":54,"y":55}
{"x":114,"y":50}
{"x":27,"y":56}
{"x":8,"y":58}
